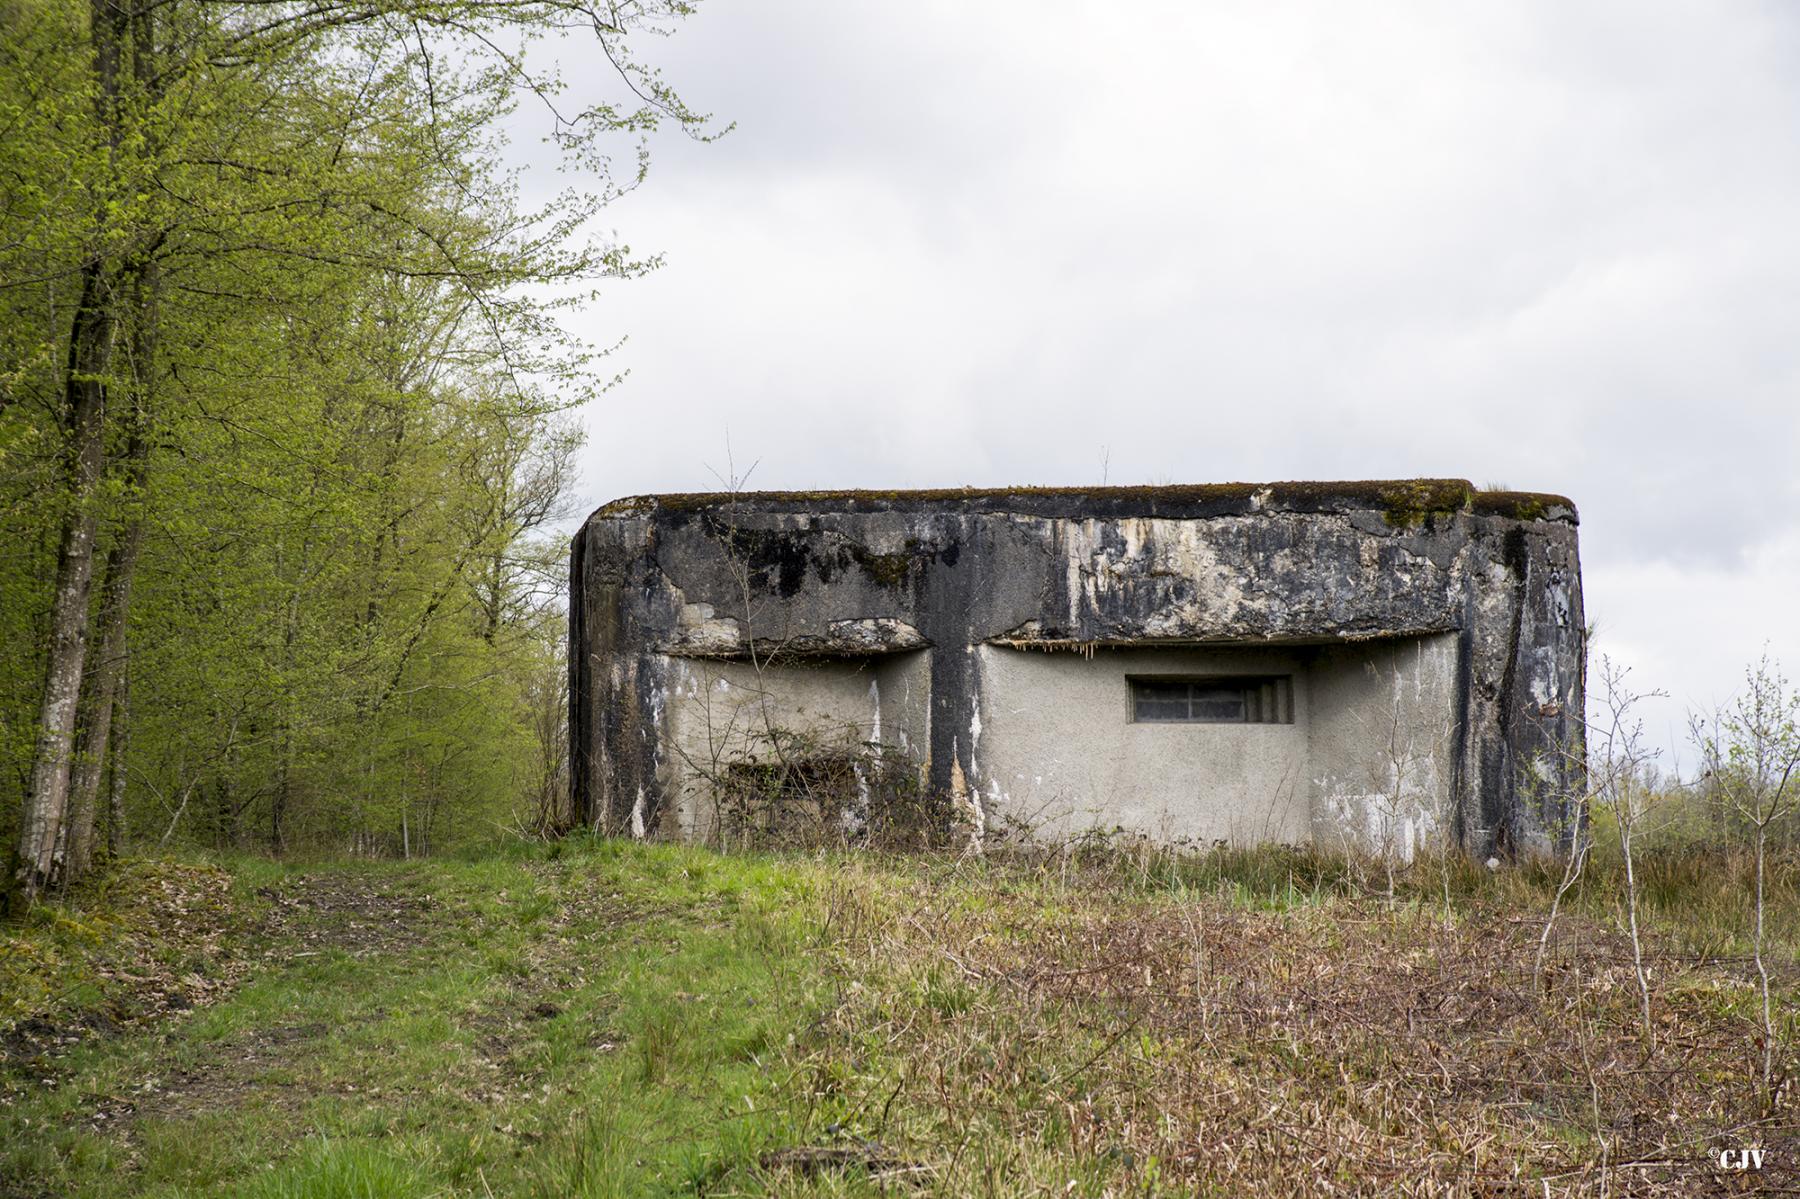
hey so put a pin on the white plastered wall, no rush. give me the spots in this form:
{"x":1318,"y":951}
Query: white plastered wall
{"x":1057,"y":750}
{"x":1366,"y":762}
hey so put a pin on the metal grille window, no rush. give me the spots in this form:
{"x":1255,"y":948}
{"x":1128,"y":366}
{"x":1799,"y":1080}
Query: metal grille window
{"x":1234,"y":700}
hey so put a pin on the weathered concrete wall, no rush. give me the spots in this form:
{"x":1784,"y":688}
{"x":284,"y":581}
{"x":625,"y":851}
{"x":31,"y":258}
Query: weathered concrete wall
{"x":1382,"y":744}
{"x":659,"y":583}
{"x":1057,"y":749}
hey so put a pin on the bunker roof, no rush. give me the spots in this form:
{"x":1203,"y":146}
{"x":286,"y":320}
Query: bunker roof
{"x":1402,"y":502}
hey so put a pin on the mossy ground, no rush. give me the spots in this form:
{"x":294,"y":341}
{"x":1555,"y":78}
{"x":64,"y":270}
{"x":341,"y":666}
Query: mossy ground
{"x":610,"y":1019}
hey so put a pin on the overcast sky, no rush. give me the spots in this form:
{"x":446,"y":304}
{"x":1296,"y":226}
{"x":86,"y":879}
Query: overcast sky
{"x":1550,"y":245}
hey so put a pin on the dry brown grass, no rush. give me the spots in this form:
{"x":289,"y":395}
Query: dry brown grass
{"x":1024,"y":1033}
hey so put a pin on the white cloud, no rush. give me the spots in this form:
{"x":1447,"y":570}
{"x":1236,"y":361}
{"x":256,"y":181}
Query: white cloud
{"x":1689,"y":630}
{"x":1540,"y":243}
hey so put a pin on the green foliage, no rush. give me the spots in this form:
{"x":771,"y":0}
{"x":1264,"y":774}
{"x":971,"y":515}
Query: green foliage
{"x":334,"y":350}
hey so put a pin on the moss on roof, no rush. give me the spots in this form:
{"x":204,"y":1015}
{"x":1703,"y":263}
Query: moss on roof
{"x":1404,"y":502}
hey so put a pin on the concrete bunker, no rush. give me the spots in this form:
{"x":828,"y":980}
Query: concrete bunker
{"x":1379,"y":664}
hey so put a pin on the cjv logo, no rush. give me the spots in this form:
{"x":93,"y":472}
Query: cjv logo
{"x":1740,"y":1159}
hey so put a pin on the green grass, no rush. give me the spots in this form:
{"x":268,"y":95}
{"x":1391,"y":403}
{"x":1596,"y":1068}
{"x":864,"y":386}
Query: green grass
{"x":475,"y":1027}
{"x":603,"y":1019}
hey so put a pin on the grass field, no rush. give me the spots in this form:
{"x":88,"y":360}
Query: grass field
{"x":610,"y":1019}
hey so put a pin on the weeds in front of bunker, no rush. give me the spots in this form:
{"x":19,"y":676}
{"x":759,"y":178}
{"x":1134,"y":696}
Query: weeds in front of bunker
{"x":1105,"y":1018}
{"x":1145,"y":1024}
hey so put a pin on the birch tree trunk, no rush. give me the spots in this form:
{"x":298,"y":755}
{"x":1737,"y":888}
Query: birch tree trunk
{"x":85,"y":375}
{"x":95,"y":711}
{"x":47,"y":795}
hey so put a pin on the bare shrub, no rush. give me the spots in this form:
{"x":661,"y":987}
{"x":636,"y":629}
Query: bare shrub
{"x":1749,"y":755}
{"x":808,"y":790}
{"x":1621,"y":773}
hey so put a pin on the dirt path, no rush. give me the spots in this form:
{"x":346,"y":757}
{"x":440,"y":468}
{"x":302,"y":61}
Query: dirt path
{"x":193,"y":950}
{"x":349,"y":911}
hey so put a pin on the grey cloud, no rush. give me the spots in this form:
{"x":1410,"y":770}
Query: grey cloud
{"x":1540,"y":243}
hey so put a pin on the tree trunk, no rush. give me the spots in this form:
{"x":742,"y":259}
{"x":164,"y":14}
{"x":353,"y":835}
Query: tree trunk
{"x":121,"y":725}
{"x":96,"y":707}
{"x":84,"y":413}
{"x":279,"y":801}
{"x":84,"y":425}
{"x":94,"y":714}
{"x":284,"y":774}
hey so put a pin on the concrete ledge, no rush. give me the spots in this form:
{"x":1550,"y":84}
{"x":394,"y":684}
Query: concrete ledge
{"x":1405,"y":501}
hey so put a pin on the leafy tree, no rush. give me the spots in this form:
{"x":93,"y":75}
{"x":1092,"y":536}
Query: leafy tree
{"x":281,"y":402}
